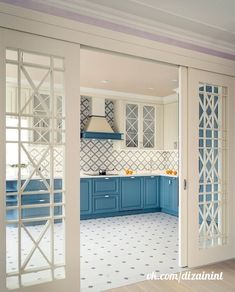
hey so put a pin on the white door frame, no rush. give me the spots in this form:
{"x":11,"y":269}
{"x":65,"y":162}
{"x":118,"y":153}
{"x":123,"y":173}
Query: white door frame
{"x":183,"y":166}
{"x":71,"y":31}
{"x":71,"y":53}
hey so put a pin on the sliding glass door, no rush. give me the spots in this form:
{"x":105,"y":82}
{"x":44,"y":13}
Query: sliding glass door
{"x":210,"y":100}
{"x":40,"y":143}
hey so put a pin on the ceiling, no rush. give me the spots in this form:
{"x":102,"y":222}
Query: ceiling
{"x":107,"y":72}
{"x":126,"y":74}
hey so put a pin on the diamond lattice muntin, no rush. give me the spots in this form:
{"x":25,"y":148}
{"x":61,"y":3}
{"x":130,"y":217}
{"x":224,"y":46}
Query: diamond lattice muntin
{"x":36,"y":112}
{"x":212,"y":165}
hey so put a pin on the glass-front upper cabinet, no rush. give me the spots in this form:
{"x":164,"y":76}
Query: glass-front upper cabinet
{"x":148,"y":132}
{"x":140,"y":125}
{"x":132,"y":125}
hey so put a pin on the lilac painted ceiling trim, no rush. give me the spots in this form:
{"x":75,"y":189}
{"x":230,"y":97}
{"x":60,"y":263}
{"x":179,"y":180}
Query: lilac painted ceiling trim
{"x":116,"y":27}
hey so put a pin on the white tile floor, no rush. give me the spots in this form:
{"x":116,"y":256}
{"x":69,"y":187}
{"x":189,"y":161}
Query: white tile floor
{"x":118,"y":251}
{"x":115,"y":251}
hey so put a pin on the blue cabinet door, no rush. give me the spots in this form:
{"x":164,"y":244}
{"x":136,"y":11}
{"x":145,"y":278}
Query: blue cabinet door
{"x":85,"y":196}
{"x":105,"y":204}
{"x":151,"y":192}
{"x":169,"y":195}
{"x":175,"y":195}
{"x":165,"y":200}
{"x":131,"y":193}
{"x":11,"y":200}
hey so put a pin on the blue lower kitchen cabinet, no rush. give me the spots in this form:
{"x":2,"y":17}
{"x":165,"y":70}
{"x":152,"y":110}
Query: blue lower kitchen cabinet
{"x":85,"y":196}
{"x":34,"y":203}
{"x":151,"y":192}
{"x":37,"y":185}
{"x":169,"y":195}
{"x":11,"y":200}
{"x":105,"y":196}
{"x":131,"y":193}
{"x":106,"y":185}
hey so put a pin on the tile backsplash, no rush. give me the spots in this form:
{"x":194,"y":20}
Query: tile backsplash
{"x":96,"y":154}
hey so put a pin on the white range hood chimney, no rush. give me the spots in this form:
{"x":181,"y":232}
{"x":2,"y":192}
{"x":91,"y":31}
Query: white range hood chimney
{"x":97,"y":121}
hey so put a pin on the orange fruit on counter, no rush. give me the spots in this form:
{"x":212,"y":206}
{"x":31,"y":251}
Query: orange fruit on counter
{"x":128,"y":171}
{"x":174,"y":172}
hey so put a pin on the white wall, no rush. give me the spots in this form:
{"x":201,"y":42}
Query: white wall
{"x":171,"y":125}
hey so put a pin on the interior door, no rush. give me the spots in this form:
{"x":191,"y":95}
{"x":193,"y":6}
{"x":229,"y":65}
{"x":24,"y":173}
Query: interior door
{"x":210,"y":131}
{"x":39,"y":175}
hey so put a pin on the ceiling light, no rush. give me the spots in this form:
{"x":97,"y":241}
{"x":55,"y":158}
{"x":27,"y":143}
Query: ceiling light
{"x":150,"y":88}
{"x":104,"y":81}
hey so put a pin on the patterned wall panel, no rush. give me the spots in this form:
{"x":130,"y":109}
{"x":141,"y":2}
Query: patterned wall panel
{"x":84,"y":110}
{"x":96,"y":154}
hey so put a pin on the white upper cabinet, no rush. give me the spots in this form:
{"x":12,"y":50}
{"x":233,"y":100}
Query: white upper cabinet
{"x":141,"y":124}
{"x":171,"y":127}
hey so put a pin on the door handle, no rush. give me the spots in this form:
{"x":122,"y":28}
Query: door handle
{"x":185,"y":184}
{"x":106,"y":196}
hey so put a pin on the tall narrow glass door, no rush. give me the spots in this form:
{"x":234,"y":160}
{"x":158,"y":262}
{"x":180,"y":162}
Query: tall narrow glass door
{"x":209,"y":193}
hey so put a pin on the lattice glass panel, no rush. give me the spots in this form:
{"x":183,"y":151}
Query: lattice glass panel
{"x":35,"y":144}
{"x":132,"y":125}
{"x":148,"y":126}
{"x":212,"y":165}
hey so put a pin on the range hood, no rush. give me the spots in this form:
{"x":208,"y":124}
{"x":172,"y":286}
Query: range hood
{"x":97,"y":126}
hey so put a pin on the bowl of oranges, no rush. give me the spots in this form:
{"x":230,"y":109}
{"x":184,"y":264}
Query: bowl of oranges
{"x":171,"y":171}
{"x":128,"y":171}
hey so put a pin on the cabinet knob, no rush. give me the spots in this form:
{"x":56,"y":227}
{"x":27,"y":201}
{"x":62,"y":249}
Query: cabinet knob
{"x":170,"y":182}
{"x":106,"y":178}
{"x":106,"y":196}
{"x":132,"y":176}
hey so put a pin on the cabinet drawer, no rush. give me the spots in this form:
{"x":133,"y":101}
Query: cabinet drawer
{"x":27,"y":213}
{"x":11,"y":186}
{"x":35,"y":199}
{"x":40,"y":199}
{"x":106,"y":185}
{"x":105,"y":204}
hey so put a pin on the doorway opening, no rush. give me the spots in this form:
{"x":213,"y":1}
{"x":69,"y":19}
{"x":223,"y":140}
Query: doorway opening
{"x":129,"y":192}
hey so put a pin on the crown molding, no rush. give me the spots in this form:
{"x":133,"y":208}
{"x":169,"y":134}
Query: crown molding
{"x":117,"y":17}
{"x":173,"y":98}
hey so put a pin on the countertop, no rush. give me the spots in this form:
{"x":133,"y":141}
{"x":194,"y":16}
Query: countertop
{"x":122,"y":174}
{"x":110,"y":174}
